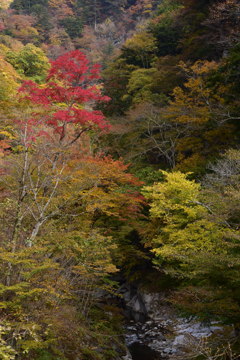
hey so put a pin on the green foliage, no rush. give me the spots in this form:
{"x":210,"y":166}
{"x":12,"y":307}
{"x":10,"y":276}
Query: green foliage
{"x":149,"y":175}
{"x":6,"y":351}
{"x":93,"y":12}
{"x":116,"y":78}
{"x":164,"y":28}
{"x":140,"y":85}
{"x":44,"y":355}
{"x":37,"y":8}
{"x":27,"y":6}
{"x":228,"y":74}
{"x":30,"y":61}
{"x":140,"y":49}
{"x":73,"y":26}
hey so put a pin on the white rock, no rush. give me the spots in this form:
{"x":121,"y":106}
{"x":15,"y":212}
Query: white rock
{"x":128,"y":356}
{"x":179,"y":340}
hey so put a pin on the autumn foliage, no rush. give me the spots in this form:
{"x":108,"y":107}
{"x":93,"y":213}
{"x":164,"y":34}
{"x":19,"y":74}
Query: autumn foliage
{"x":60,"y":201}
{"x":68,"y":95}
{"x":131,"y":165}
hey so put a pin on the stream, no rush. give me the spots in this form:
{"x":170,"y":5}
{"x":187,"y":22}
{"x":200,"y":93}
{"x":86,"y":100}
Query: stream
{"x":141,"y":331}
{"x":154,"y":331}
{"x":141,"y":337}
{"x":143,"y":352}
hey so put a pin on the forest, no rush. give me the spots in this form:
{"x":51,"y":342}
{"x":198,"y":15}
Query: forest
{"x":119,"y":164}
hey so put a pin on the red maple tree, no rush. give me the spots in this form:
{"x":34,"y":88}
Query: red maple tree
{"x":69,"y":96}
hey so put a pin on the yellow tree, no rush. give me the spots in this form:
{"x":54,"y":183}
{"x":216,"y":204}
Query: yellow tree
{"x":203,"y":112}
{"x":5,"y":4}
{"x":182,"y":225}
{"x":196,"y":242}
{"x":140,"y":48}
{"x":9,"y":80}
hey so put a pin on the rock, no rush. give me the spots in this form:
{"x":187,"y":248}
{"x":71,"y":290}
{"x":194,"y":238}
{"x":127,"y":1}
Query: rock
{"x":127,"y":356}
{"x":158,"y":327}
{"x":179,"y":340}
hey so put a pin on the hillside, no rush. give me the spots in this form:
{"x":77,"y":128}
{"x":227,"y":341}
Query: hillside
{"x":120,"y":169}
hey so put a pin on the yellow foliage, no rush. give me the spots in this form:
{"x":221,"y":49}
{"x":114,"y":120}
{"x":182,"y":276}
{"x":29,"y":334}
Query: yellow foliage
{"x":180,"y":219}
{"x":176,"y":193}
{"x":6,"y":351}
{"x":141,"y":42}
{"x":8,"y":80}
{"x":4,"y":4}
{"x":195,"y":102}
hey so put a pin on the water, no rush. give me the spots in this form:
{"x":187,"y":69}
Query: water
{"x":143,"y":352}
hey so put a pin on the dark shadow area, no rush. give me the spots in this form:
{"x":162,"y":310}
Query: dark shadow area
{"x":143,"y":352}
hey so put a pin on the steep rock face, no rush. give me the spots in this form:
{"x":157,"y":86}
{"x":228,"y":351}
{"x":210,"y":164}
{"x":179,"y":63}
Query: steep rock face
{"x":155,"y":325}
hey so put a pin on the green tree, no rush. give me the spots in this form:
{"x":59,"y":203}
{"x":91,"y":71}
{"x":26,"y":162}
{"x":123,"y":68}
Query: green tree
{"x":116,"y":78}
{"x":27,"y":5}
{"x":165,"y":29}
{"x":140,"y":85}
{"x":140,"y":49}
{"x":30,"y":61}
{"x":72,"y":25}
